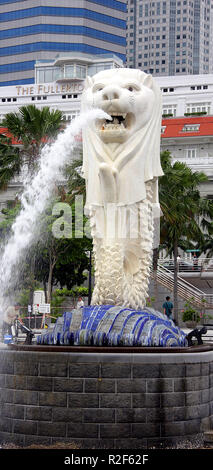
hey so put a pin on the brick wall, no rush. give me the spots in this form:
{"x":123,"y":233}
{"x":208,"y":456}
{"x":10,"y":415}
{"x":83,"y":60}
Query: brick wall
{"x":104,"y":400}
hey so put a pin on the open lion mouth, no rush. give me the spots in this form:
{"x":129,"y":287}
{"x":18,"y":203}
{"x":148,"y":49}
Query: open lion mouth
{"x":118,"y":122}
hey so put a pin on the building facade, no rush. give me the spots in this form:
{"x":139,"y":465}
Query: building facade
{"x":186,"y":95}
{"x":187,"y":109}
{"x":37,"y":29}
{"x":190,"y":140}
{"x":58,"y":84}
{"x":170,"y":37}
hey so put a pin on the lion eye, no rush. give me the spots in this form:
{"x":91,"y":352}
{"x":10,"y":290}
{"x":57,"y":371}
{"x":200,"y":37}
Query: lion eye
{"x":132,"y":87}
{"x":97,"y":88}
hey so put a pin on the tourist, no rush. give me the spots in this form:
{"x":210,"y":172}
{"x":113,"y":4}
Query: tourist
{"x":80,"y":303}
{"x":168,"y":307}
{"x":195,"y":262}
{"x":9,"y":317}
{"x":178,"y":262}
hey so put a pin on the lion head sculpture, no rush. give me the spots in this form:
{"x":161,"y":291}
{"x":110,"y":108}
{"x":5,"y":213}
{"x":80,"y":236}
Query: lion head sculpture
{"x":122,"y":153}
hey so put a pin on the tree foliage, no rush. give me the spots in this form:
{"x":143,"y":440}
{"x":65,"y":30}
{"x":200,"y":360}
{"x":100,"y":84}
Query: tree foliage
{"x":182,"y":208}
{"x":32,"y":127}
{"x":10,"y":161}
{"x":51,"y":261}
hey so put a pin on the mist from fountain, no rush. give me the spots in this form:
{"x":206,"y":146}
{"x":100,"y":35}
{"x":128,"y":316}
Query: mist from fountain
{"x":35,"y":197}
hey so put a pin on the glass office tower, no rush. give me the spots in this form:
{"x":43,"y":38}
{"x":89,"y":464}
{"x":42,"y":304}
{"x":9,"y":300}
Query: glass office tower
{"x":33,"y":30}
{"x":170,"y":37}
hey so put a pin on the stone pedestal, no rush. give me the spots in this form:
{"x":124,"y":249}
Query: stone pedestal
{"x":104,"y":400}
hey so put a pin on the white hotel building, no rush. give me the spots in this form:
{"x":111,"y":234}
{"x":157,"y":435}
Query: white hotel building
{"x":59,"y":85}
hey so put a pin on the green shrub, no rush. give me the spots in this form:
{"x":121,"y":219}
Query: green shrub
{"x":74,"y":292}
{"x":199,"y":113}
{"x":59,"y":296}
{"x":190,"y":313}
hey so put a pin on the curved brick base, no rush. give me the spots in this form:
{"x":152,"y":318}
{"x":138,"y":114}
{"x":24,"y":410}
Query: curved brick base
{"x":104,"y":400}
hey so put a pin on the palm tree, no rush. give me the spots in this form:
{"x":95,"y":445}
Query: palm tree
{"x":75,"y":181}
{"x":10,"y":161}
{"x":33,"y":127}
{"x":206,"y":245}
{"x":181,"y":205}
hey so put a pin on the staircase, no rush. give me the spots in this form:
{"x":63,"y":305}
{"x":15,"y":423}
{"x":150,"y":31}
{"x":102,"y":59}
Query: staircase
{"x":185,"y":290}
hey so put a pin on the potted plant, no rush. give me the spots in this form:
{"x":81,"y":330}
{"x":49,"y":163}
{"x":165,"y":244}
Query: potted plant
{"x":190,"y":315}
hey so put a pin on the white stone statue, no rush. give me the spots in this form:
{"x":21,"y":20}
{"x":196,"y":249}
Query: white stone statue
{"x":121,"y":166}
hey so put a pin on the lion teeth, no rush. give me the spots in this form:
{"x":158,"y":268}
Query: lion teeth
{"x":116,"y":123}
{"x":119,"y":114}
{"x":115,"y":126}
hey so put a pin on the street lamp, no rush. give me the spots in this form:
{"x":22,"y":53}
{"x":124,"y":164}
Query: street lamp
{"x":89,"y":255}
{"x":90,"y":278}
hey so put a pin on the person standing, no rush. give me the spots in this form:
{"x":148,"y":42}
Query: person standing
{"x":195,"y":262}
{"x":9,"y":317}
{"x":168,"y":307}
{"x":80,"y":303}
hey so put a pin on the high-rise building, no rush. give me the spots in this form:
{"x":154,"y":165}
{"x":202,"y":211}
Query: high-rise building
{"x":170,"y":37}
{"x":37,"y":29}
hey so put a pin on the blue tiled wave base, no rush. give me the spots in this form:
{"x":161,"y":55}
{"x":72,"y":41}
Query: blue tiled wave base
{"x":107,"y":325}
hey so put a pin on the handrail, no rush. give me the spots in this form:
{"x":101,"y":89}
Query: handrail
{"x":198,"y":265}
{"x":190,"y":286}
{"x":184,"y":288}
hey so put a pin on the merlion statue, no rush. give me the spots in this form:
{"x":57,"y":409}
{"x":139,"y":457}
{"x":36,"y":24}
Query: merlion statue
{"x":121,"y":166}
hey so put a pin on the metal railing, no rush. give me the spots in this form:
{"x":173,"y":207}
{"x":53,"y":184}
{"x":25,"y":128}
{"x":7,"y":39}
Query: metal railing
{"x":188,"y":265}
{"x":199,"y":160}
{"x":185,"y":290}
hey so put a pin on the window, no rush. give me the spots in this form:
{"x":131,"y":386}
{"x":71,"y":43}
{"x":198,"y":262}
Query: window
{"x":191,"y":128}
{"x":58,"y":73}
{"x":204,"y":107}
{"x":69,"y":116}
{"x":170,"y":109}
{"x":48,"y":76}
{"x":190,"y":153}
{"x":8,"y":100}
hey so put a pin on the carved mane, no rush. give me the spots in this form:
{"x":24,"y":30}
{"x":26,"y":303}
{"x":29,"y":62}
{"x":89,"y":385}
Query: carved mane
{"x":137,"y":160}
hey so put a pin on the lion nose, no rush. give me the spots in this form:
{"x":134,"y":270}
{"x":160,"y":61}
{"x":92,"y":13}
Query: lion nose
{"x":111,"y":93}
